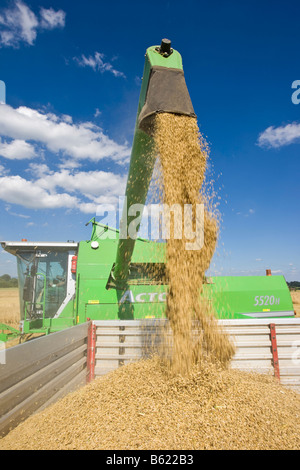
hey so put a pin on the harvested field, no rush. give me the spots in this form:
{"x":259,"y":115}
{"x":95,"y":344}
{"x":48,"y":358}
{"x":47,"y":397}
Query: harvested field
{"x":142,"y":406}
{"x":10,"y":307}
{"x":296,"y":301}
{"x":10,"y":313}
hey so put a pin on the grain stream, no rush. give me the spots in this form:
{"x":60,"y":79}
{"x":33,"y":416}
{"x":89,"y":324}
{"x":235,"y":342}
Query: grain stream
{"x":183,"y":156}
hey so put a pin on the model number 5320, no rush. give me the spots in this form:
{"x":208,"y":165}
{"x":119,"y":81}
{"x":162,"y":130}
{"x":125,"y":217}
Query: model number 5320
{"x":261,"y":300}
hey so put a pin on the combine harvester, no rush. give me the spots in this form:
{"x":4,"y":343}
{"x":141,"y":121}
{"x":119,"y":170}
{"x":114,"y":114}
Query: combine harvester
{"x":112,"y":281}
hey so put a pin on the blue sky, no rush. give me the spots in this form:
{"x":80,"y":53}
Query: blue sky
{"x":73,"y":73}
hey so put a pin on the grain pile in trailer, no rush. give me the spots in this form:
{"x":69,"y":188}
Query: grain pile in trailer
{"x":144,"y":406}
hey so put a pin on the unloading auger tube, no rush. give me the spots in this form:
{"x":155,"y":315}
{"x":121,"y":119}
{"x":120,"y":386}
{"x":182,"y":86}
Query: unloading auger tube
{"x":163,"y":90}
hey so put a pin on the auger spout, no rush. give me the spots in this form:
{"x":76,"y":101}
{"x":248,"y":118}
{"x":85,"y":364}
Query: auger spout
{"x":163,"y":90}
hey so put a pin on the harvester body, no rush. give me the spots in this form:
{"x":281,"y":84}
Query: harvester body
{"x":53,"y":297}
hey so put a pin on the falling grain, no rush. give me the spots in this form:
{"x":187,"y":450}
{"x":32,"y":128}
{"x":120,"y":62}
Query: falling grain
{"x":183,"y":156}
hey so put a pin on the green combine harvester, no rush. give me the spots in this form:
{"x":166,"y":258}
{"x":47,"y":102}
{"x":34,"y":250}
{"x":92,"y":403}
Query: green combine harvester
{"x":114,"y":276}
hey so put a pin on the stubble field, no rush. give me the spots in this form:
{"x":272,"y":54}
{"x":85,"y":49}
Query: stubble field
{"x":9,"y":307}
{"x":296,"y":301}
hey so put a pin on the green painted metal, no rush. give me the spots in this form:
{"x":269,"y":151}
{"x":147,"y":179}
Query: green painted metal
{"x":142,"y":162}
{"x":249,"y":296}
{"x":143,"y":297}
{"x":95,"y":298}
{"x":7,"y":333}
{"x":156,"y":59}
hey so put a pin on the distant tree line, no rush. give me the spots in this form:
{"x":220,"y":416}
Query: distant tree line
{"x":294,"y":285}
{"x":7,"y":281}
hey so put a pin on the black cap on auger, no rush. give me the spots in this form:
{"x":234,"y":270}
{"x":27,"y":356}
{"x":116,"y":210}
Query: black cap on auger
{"x":165,"y":47}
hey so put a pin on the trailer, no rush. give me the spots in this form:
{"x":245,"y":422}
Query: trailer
{"x":37,"y":373}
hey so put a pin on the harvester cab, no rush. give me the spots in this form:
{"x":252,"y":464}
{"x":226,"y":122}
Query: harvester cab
{"x":117,"y":275}
{"x":46,"y":281}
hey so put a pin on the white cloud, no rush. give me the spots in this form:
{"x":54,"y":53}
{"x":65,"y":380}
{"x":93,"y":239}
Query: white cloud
{"x":22,"y":216}
{"x":275,"y":137}
{"x":85,"y":191}
{"x":3,"y":170}
{"x":92,"y":184}
{"x":38,"y":169}
{"x":17,"y":150}
{"x":51,"y":19}
{"x":17,"y":190}
{"x":97,"y":63}
{"x":100,"y":187}
{"x":26,"y":133}
{"x":246,"y":214}
{"x":19,"y":24}
{"x":59,"y":134}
